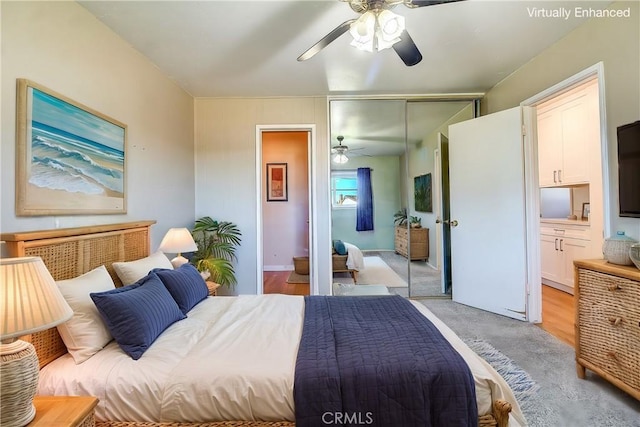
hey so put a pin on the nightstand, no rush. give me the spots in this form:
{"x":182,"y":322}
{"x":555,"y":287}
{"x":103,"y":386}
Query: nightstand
{"x":64,"y":411}
{"x":213,"y":288}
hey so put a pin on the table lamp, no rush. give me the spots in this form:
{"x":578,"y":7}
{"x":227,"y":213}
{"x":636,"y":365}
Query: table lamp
{"x":176,"y":241}
{"x":29,"y":302}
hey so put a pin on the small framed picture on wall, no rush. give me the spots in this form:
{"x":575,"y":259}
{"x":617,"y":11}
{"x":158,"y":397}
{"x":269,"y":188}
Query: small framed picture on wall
{"x":586,"y":211}
{"x":277,"y":188}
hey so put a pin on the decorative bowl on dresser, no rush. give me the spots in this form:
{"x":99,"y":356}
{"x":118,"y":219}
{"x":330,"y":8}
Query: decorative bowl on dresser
{"x":607,"y":298}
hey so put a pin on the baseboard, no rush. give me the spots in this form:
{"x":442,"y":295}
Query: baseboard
{"x":558,"y":286}
{"x":277,"y":268}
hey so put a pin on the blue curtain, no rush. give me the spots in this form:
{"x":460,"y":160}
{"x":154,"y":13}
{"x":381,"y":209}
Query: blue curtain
{"x":364,"y":209}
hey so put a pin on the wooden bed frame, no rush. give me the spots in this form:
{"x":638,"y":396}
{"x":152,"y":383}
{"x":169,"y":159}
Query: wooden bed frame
{"x":70,"y":252}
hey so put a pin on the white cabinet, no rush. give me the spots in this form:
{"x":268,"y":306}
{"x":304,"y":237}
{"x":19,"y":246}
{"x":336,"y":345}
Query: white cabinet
{"x":560,"y":245}
{"x":568,"y":132}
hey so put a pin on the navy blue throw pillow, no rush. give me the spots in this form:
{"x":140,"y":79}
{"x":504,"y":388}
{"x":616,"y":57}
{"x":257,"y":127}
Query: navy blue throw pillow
{"x":340,"y":248}
{"x":137,"y":314}
{"x":185,"y":284}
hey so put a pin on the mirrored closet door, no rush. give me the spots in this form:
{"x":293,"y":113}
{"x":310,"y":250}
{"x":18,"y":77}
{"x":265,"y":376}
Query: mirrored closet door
{"x":394,"y":147}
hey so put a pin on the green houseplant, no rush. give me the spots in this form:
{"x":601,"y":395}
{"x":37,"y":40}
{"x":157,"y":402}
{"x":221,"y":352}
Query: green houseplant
{"x":217,"y":242}
{"x":400,"y":219}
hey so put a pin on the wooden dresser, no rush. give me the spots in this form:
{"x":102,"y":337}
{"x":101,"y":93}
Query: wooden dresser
{"x":419,"y":241}
{"x":607,"y":298}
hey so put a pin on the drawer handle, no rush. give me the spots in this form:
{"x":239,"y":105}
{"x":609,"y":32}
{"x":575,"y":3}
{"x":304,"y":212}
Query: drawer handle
{"x":613,"y":286}
{"x":615,"y":320}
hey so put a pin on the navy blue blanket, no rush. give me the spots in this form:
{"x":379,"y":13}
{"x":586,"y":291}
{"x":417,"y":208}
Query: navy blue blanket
{"x":378,"y":361}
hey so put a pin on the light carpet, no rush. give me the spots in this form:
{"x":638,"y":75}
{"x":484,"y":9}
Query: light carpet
{"x":564,"y":400}
{"x":375,"y":272}
{"x":425,"y":281}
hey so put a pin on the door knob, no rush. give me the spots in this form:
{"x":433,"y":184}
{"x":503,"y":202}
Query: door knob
{"x":454,"y":222}
{"x":442,"y":221}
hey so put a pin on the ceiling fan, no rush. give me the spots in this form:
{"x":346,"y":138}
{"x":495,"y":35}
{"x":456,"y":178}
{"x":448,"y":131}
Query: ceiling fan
{"x":340,"y":151}
{"x":377,"y":27}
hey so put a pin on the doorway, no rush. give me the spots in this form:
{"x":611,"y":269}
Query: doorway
{"x":284,"y":175}
{"x":573,"y":215}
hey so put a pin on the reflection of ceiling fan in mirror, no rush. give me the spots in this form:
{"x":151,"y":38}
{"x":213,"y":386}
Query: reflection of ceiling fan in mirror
{"x":340,"y":151}
{"x":377,"y":28}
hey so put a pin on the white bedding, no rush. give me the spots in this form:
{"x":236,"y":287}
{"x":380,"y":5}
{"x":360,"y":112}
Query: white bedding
{"x":233,"y":358}
{"x":355,"y":259}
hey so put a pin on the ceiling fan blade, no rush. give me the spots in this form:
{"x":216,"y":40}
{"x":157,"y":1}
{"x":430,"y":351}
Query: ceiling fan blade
{"x":407,"y":50}
{"x":423,"y":3}
{"x":326,"y":40}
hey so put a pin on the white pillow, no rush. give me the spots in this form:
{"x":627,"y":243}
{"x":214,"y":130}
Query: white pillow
{"x":132,"y":271}
{"x":85,"y":333}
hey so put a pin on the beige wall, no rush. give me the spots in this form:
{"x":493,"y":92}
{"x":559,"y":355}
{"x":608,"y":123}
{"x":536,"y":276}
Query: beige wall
{"x":616,"y":43}
{"x":225,"y":136}
{"x":63,"y":47}
{"x":285,"y":223}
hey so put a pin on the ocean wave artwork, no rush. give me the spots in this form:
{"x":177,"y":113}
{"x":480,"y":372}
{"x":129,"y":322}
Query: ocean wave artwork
{"x":73,"y":150}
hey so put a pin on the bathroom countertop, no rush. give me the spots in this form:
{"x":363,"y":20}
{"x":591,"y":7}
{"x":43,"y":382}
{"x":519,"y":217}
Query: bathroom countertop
{"x":564,"y":221}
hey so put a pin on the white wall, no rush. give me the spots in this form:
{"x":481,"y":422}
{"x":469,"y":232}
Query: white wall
{"x":225,"y":136}
{"x":63,"y":47}
{"x":615,"y":42}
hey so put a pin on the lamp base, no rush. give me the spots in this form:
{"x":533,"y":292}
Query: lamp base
{"x":178,"y":261}
{"x":19,"y":372}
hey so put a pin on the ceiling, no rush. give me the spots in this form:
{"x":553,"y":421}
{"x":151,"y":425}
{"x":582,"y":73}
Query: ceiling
{"x":384,"y":135}
{"x":246,"y":48}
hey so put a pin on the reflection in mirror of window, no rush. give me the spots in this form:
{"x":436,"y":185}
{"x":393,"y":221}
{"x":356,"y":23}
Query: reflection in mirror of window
{"x":344,"y":189}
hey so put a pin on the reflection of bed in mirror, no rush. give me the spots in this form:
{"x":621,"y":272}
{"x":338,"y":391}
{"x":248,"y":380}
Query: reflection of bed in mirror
{"x":396,"y":138}
{"x":347,"y":258}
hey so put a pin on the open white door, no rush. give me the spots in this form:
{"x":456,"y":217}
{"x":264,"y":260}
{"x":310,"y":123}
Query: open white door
{"x":487,"y":200}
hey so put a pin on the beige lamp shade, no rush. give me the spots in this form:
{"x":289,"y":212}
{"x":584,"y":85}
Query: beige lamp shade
{"x":176,"y":241}
{"x":29,"y":298}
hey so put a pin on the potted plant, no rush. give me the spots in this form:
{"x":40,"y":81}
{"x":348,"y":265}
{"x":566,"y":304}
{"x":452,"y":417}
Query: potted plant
{"x":400,"y":219}
{"x":217,"y":242}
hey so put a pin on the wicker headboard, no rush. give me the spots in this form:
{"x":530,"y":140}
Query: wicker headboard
{"x":70,"y":252}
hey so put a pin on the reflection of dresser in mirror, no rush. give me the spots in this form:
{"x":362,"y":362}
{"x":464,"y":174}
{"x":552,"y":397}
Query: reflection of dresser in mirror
{"x":412,"y":241}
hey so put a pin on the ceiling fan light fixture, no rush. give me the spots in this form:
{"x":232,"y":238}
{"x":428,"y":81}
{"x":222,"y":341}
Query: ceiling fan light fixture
{"x":390,"y":25}
{"x":340,"y":158}
{"x":363,"y":31}
{"x":388,"y":29}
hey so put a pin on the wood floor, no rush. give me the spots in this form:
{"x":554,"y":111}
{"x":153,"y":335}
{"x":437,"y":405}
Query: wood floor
{"x":275,"y":282}
{"x":558,"y":314}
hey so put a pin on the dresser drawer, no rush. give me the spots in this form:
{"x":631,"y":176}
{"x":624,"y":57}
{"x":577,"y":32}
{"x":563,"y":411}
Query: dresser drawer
{"x":608,"y":320}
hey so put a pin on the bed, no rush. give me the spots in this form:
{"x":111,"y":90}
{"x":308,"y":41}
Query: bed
{"x":72,"y":252}
{"x":350,"y":260}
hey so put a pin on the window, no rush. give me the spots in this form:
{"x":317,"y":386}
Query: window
{"x":344,"y":189}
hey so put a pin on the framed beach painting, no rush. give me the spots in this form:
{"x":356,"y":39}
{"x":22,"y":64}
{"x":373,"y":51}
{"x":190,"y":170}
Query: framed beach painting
{"x":277,"y":188}
{"x":70,"y":159}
